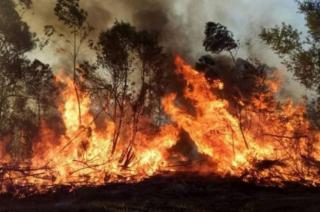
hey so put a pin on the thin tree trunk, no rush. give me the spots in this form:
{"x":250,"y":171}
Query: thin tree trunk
{"x":233,"y":59}
{"x":74,"y":75}
{"x":39,"y":111}
{"x":241,"y":130}
{"x":121,"y":114}
{"x":128,"y":154}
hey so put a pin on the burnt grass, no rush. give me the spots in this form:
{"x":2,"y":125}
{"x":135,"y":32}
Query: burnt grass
{"x":181,"y":192}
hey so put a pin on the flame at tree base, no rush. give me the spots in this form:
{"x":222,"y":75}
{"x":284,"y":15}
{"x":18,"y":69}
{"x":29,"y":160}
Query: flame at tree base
{"x":270,"y":146}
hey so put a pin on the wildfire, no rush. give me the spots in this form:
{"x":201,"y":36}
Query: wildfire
{"x":262,"y":141}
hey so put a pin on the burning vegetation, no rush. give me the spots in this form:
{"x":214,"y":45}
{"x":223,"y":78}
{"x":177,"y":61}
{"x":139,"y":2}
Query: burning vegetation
{"x":129,"y":116}
{"x":259,"y":140}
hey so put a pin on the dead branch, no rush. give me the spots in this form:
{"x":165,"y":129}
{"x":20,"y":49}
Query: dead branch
{"x":241,"y":130}
{"x":286,"y":137}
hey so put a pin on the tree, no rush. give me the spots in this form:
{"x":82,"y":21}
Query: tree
{"x":15,"y":40}
{"x":300,"y":54}
{"x":74,"y":18}
{"x":41,"y":87}
{"x":116,"y":45}
{"x":311,"y":10}
{"x":129,"y":72}
{"x":241,"y":78}
{"x":22,"y":82}
{"x":219,"y":38}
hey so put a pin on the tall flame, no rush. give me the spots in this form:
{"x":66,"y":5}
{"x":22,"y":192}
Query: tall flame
{"x":272,"y":146}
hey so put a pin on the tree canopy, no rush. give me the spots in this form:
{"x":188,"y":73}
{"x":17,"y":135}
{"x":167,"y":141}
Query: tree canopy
{"x":301,"y":54}
{"x":23,"y":83}
{"x":218,"y":38}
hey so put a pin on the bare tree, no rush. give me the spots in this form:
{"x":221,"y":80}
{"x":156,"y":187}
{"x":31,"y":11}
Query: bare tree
{"x":130,"y":70}
{"x":74,"y":17}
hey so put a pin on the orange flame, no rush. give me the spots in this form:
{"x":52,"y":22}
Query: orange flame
{"x":265,"y":146}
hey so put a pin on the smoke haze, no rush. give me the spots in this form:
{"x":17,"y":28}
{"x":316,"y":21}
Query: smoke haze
{"x":181,"y":23}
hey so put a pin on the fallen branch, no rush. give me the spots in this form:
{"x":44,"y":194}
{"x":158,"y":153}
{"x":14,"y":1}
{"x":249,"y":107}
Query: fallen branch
{"x":286,"y":137}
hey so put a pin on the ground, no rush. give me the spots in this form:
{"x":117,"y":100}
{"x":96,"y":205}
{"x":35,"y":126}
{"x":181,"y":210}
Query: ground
{"x":172,"y":193}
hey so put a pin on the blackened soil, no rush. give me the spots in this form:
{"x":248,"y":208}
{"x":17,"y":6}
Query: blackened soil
{"x":182,"y":192}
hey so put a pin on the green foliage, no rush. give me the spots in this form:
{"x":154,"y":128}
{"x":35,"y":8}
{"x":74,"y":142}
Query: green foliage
{"x":300,"y":54}
{"x":282,"y":40}
{"x":311,"y":10}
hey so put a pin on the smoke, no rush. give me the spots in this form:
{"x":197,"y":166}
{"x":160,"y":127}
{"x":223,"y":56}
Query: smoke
{"x":181,"y":24}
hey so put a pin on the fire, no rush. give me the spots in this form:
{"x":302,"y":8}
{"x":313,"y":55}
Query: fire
{"x":276,"y":142}
{"x":263,"y":140}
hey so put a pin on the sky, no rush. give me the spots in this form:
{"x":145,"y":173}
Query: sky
{"x":182,"y":23}
{"x":185,"y":20}
{"x":244,"y":18}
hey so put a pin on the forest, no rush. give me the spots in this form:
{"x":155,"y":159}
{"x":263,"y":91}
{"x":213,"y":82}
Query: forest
{"x":124,"y":108}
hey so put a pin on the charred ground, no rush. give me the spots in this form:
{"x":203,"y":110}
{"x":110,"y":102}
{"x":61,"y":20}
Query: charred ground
{"x":181,"y":192}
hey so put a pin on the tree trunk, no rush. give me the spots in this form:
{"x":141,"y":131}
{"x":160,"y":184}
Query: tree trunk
{"x":74,"y":74}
